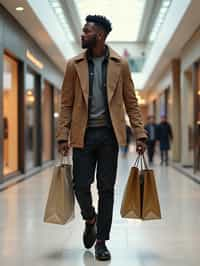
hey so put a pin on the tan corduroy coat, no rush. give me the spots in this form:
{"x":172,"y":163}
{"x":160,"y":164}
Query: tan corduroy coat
{"x":73,"y":116}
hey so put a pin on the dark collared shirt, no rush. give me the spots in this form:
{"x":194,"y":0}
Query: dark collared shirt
{"x":98,"y":114}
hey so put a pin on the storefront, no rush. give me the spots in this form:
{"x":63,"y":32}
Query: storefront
{"x":29,"y":102}
{"x":56,"y":106}
{"x":191,"y":117}
{"x":196,"y":89}
{"x":47,"y":122}
{"x":10,"y":115}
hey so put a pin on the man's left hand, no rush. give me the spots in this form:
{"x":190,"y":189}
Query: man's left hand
{"x":140,"y":146}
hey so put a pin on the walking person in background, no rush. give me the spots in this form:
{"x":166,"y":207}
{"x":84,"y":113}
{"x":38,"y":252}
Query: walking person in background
{"x":165,"y":135}
{"x":129,"y":136}
{"x":96,"y":87}
{"x":151,"y":129}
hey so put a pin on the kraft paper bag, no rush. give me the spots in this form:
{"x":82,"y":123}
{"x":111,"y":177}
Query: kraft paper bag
{"x":140,"y":198}
{"x":131,"y":203}
{"x":60,"y":204}
{"x":150,"y":200}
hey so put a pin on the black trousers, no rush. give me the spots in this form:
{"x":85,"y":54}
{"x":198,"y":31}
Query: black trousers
{"x":151,"y":149}
{"x":100,"y":153}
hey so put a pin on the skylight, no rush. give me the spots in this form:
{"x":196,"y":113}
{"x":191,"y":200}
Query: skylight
{"x":160,"y":19}
{"x":125,"y":16}
{"x":57,"y":8}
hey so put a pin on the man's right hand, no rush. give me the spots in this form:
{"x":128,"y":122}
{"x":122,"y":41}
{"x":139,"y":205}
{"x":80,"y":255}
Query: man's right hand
{"x":63,"y":147}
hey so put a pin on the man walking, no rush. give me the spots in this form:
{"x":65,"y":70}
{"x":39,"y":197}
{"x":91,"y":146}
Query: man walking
{"x":151,"y":129}
{"x":165,"y":135}
{"x":96,"y":85}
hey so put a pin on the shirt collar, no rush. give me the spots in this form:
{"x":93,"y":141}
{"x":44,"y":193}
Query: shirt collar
{"x":106,"y":55}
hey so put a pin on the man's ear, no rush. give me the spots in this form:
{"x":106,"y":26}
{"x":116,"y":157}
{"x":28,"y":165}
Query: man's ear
{"x":101,"y":35}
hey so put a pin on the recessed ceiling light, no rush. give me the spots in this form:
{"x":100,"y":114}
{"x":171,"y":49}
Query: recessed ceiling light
{"x":19,"y":8}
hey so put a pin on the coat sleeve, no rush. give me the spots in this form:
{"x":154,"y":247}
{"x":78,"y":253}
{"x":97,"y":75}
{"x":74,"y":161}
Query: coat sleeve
{"x":131,"y":104}
{"x":67,"y":100}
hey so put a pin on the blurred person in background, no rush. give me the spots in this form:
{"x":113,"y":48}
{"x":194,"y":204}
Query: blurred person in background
{"x":165,"y":136}
{"x":151,"y":128}
{"x":129,"y":137}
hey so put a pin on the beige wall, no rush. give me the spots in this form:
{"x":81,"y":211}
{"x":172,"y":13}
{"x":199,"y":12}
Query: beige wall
{"x":189,"y":55}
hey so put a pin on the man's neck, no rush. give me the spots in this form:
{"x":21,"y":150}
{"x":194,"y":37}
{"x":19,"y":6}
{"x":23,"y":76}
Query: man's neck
{"x":98,"y":51}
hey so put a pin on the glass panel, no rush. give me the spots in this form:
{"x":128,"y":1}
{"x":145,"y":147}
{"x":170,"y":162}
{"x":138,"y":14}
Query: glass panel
{"x":10,"y":115}
{"x":30,"y":120}
{"x":56,"y":113}
{"x":46,"y":122}
{"x":136,"y":63}
{"x":126,"y":16}
{"x":198,"y":120}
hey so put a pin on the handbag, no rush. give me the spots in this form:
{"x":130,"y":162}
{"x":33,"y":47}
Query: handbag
{"x":60,"y":203}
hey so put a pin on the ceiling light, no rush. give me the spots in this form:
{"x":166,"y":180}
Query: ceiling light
{"x":19,"y":8}
{"x":58,"y":10}
{"x":160,"y":20}
{"x":55,"y":4}
{"x":166,"y":3}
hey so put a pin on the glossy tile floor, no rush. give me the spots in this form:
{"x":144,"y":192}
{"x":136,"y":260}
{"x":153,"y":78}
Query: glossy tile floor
{"x":174,"y":240}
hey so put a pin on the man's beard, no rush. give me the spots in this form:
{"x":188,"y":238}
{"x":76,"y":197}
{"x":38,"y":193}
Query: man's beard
{"x":90,"y":43}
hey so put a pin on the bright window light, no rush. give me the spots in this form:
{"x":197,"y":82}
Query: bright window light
{"x":125,"y":16}
{"x":166,"y":3}
{"x":160,"y":20}
{"x":57,"y":8}
{"x":55,"y":4}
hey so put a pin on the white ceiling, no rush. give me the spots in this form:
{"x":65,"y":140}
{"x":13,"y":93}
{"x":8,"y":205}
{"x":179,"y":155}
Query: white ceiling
{"x":125,"y":16}
{"x":44,"y":27}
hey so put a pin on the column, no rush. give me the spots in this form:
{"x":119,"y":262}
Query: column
{"x":196,"y":89}
{"x":21,"y":111}
{"x":176,"y":99}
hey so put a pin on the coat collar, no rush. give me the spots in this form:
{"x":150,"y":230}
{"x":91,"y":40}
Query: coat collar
{"x":113,"y":71}
{"x":83,"y":55}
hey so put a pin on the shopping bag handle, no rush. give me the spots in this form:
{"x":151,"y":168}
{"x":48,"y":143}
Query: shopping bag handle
{"x":142,"y":161}
{"x":64,"y":159}
{"x":136,"y":163}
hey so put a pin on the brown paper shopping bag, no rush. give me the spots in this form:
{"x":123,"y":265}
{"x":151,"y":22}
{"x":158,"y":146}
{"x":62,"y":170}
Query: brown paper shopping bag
{"x":150,"y":200}
{"x":60,"y":204}
{"x":140,"y":199}
{"x":131,"y":203}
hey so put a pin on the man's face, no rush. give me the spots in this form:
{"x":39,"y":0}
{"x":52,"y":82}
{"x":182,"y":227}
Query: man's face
{"x":89,"y":36}
{"x":152,"y":119}
{"x":163,"y":118}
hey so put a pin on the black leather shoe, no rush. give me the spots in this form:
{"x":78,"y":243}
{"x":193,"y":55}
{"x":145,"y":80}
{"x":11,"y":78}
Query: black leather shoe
{"x":101,"y":252}
{"x":89,"y":235}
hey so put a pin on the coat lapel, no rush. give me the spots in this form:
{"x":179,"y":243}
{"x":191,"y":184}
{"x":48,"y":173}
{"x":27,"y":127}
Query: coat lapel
{"x":82,"y":70}
{"x":113,"y":74}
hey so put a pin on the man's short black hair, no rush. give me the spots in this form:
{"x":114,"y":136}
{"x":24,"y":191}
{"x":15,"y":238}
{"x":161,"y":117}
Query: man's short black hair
{"x":100,"y":21}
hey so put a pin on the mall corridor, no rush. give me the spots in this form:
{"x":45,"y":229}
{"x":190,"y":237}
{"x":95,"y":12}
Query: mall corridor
{"x":174,"y":240}
{"x":99,"y":74}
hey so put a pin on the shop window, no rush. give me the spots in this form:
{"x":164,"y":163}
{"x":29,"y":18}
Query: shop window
{"x":47,"y":114}
{"x":30,"y":129}
{"x":57,"y":99}
{"x":10,"y":115}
